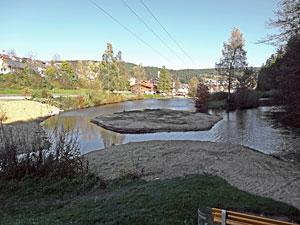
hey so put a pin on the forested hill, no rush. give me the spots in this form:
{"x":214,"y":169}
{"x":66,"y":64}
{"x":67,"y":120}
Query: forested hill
{"x":184,"y":75}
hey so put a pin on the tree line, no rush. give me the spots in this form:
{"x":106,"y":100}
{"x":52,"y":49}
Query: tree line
{"x":281,"y":72}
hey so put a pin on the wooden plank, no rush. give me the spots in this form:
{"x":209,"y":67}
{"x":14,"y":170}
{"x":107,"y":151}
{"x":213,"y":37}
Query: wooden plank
{"x":241,"y":218}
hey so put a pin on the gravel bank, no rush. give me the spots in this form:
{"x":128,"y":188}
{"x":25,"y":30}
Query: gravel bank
{"x":242,"y":167}
{"x":156,"y":120}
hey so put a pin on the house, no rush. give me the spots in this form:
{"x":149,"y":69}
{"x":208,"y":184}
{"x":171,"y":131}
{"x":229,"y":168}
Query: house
{"x":144,"y":87}
{"x":8,"y":65}
{"x":183,"y":90}
{"x":132,"y":81}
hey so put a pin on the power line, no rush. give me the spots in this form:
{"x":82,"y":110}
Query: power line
{"x":184,"y":52}
{"x":128,"y":30}
{"x":149,"y":28}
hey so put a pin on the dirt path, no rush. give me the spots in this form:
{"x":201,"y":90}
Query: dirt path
{"x":242,"y":167}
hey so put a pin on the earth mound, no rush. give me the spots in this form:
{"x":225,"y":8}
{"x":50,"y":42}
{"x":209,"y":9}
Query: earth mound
{"x":156,"y":120}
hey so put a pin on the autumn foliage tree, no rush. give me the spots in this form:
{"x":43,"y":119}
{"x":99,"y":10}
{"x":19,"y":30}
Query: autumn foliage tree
{"x":202,"y":95}
{"x":233,"y":60}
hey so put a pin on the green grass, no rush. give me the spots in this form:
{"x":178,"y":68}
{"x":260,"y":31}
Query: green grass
{"x":70,"y":92}
{"x":172,"y":201}
{"x":10,"y":92}
{"x":149,"y":96}
{"x":56,"y":91}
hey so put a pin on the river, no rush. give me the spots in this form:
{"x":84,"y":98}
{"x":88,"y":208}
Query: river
{"x":249,"y":127}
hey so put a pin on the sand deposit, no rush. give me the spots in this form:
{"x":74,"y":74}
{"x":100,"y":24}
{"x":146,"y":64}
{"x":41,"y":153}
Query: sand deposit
{"x":156,"y":120}
{"x":13,"y":111}
{"x":240,"y":166}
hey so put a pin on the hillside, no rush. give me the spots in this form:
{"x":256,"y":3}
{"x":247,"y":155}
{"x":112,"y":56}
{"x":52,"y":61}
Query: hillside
{"x":184,"y":75}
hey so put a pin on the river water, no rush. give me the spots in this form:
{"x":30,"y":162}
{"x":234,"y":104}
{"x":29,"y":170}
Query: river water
{"x":249,"y":127}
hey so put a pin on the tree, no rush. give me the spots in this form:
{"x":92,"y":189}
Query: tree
{"x":56,"y":57}
{"x":193,"y":84}
{"x":108,"y":71}
{"x":108,"y":55}
{"x":164,"y":80}
{"x":67,"y":76}
{"x":289,"y":79}
{"x":248,"y":79}
{"x":11,"y":53}
{"x":234,"y":57}
{"x":177,"y":84}
{"x":202,"y":95}
{"x":139,"y":73}
{"x":123,"y":75}
{"x":287,"y":21}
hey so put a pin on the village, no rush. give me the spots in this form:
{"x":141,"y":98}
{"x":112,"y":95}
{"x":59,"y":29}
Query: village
{"x":11,"y":64}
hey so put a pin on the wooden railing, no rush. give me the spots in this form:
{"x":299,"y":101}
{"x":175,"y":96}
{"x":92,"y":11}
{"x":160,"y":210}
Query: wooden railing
{"x":229,"y":217}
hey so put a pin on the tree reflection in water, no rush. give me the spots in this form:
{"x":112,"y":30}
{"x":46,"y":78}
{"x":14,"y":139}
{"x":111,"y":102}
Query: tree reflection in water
{"x":87,"y":131}
{"x":110,"y":138}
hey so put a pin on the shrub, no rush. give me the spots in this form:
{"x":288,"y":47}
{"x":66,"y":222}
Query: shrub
{"x":27,"y":92}
{"x":45,"y":93}
{"x":27,"y":151}
{"x":95,"y":97}
{"x":202,"y":95}
{"x":218,"y":96}
{"x":245,"y":98}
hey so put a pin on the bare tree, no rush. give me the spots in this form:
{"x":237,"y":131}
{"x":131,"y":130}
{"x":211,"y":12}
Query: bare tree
{"x":56,"y":57}
{"x":287,"y":21}
{"x":31,"y":55}
{"x":11,"y":53}
{"x":234,"y":57}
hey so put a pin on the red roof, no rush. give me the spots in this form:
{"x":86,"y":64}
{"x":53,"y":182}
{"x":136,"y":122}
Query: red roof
{"x":3,"y":56}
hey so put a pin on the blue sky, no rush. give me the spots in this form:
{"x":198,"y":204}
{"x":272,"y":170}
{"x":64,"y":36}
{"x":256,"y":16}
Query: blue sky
{"x":76,"y":29}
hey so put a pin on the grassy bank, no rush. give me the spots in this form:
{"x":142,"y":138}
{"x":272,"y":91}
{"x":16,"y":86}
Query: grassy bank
{"x":239,"y":99}
{"x":126,"y":201}
{"x":5,"y":91}
{"x":92,"y":98}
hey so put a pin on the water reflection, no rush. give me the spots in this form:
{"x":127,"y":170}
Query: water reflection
{"x":245,"y":127}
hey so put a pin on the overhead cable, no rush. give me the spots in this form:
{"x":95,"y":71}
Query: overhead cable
{"x":173,"y":39}
{"x":128,"y":30}
{"x":149,"y":28}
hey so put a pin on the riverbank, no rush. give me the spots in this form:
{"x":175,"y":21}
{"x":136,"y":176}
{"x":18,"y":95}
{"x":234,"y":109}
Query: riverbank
{"x":240,"y":166}
{"x":94,"y":99}
{"x":24,"y":110}
{"x":127,"y":201}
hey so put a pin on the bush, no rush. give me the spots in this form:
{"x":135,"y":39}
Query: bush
{"x":245,"y":98}
{"x":96,"y":97}
{"x":202,"y":95}
{"x":27,"y":151}
{"x":27,"y":92}
{"x":45,"y":93}
{"x":218,"y":96}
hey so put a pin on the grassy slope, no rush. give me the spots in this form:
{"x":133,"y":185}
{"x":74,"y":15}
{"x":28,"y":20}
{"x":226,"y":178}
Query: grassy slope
{"x":125,"y":202}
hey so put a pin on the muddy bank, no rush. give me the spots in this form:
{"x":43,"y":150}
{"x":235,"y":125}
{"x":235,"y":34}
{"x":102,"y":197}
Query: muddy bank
{"x":242,"y":167}
{"x":156,"y":120}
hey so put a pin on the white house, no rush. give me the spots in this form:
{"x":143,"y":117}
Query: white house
{"x":8,"y":65}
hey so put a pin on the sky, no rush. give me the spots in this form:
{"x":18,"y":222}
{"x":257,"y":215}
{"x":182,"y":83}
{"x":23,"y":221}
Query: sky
{"x":78,"y":30}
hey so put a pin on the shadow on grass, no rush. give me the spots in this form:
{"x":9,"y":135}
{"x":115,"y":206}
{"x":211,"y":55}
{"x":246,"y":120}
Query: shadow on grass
{"x":127,"y":201}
